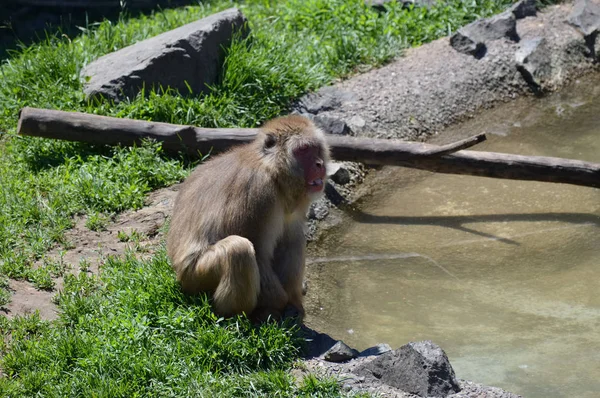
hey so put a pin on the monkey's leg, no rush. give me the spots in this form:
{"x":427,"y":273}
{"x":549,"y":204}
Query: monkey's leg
{"x":229,"y":269}
{"x":289,"y":264}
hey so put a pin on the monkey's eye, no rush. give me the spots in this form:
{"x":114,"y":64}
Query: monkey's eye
{"x":270,"y":141}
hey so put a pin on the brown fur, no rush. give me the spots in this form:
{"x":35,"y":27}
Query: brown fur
{"x":237,"y":229}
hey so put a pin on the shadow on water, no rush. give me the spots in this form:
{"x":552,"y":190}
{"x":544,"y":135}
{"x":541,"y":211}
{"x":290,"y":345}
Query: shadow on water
{"x":457,"y":222}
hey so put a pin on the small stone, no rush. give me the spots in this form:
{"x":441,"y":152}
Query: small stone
{"x":376,"y":350}
{"x":325,"y":99}
{"x":333,"y":195}
{"x":466,"y":45}
{"x":357,"y":122}
{"x":331,"y":125}
{"x":524,"y":8}
{"x":340,"y":352}
{"x":318,"y":210}
{"x":471,"y":38}
{"x":533,"y":61}
{"x":338,"y":173}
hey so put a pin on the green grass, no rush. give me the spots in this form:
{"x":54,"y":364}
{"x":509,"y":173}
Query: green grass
{"x":131,"y":332}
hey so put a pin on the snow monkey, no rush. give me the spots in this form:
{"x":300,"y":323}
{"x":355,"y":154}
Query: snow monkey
{"x":237,"y":230}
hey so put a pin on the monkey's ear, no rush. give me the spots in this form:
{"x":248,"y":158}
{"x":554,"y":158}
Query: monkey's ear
{"x":270,"y":141}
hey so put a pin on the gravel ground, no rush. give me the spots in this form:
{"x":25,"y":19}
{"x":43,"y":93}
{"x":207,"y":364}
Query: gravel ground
{"x":433,"y":86}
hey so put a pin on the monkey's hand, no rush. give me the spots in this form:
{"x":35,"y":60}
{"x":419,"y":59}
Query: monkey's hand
{"x":293,"y":313}
{"x":271,"y":300}
{"x":264,"y":314}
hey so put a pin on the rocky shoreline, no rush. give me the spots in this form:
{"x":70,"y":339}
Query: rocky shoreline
{"x":436,"y":85}
{"x":521,"y":52}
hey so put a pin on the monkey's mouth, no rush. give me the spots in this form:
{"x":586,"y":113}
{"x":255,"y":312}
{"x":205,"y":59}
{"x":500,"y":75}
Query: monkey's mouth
{"x":315,"y":185}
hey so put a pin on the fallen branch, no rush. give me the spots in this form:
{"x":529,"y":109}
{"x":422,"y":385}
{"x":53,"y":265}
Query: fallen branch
{"x":449,"y":159}
{"x":75,"y":126}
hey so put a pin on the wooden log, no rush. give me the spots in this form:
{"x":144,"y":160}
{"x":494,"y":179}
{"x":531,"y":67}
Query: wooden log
{"x":91,"y":4}
{"x":442,"y":159}
{"x":76,"y":126}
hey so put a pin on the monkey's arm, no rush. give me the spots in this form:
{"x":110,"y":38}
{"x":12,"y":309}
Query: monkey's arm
{"x":289,"y":263}
{"x":273,"y":297}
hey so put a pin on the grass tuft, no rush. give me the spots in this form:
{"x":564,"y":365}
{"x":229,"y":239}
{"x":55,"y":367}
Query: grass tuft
{"x":135,"y":314}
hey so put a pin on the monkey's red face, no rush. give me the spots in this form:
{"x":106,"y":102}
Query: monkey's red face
{"x":313,"y":166}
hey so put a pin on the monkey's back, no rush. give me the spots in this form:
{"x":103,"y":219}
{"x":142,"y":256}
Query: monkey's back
{"x":230,"y":194}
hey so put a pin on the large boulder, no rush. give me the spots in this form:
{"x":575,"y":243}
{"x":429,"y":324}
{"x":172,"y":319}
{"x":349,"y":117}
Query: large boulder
{"x":191,"y":55}
{"x":420,"y":368}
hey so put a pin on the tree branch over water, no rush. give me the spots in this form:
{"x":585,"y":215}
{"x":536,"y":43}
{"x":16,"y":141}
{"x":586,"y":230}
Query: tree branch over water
{"x":449,"y":159}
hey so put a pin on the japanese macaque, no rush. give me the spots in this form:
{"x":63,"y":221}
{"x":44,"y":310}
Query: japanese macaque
{"x":237,"y":230}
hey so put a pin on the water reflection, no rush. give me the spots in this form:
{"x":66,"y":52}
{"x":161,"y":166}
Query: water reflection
{"x":502,"y":274}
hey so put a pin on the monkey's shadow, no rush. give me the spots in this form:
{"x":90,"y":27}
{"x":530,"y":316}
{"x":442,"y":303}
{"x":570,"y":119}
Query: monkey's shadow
{"x":457,"y":222}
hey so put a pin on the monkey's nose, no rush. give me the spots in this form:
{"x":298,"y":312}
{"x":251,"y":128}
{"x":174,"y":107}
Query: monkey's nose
{"x":319,"y":163}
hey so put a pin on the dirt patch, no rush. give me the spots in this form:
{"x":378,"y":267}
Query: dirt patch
{"x":143,"y":228}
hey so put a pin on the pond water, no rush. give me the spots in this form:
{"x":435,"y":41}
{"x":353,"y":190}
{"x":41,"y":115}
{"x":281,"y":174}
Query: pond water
{"x":504,"y":275}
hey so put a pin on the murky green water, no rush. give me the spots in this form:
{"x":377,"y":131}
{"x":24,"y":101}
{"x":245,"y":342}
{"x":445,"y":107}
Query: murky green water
{"x":504,"y":275}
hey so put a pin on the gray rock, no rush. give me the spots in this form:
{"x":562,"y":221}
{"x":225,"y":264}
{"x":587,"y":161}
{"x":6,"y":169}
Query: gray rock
{"x":471,"y":38}
{"x":318,"y":210}
{"x":467,"y":45}
{"x":340,"y":352}
{"x":379,"y":5}
{"x":189,"y":55}
{"x":533,"y":61}
{"x":357,"y":122}
{"x":317,"y":344}
{"x":585,"y":17}
{"x":523,"y":9}
{"x":420,"y":368}
{"x":331,"y":125}
{"x":338,"y":173}
{"x":376,"y":350}
{"x":325,"y":99}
